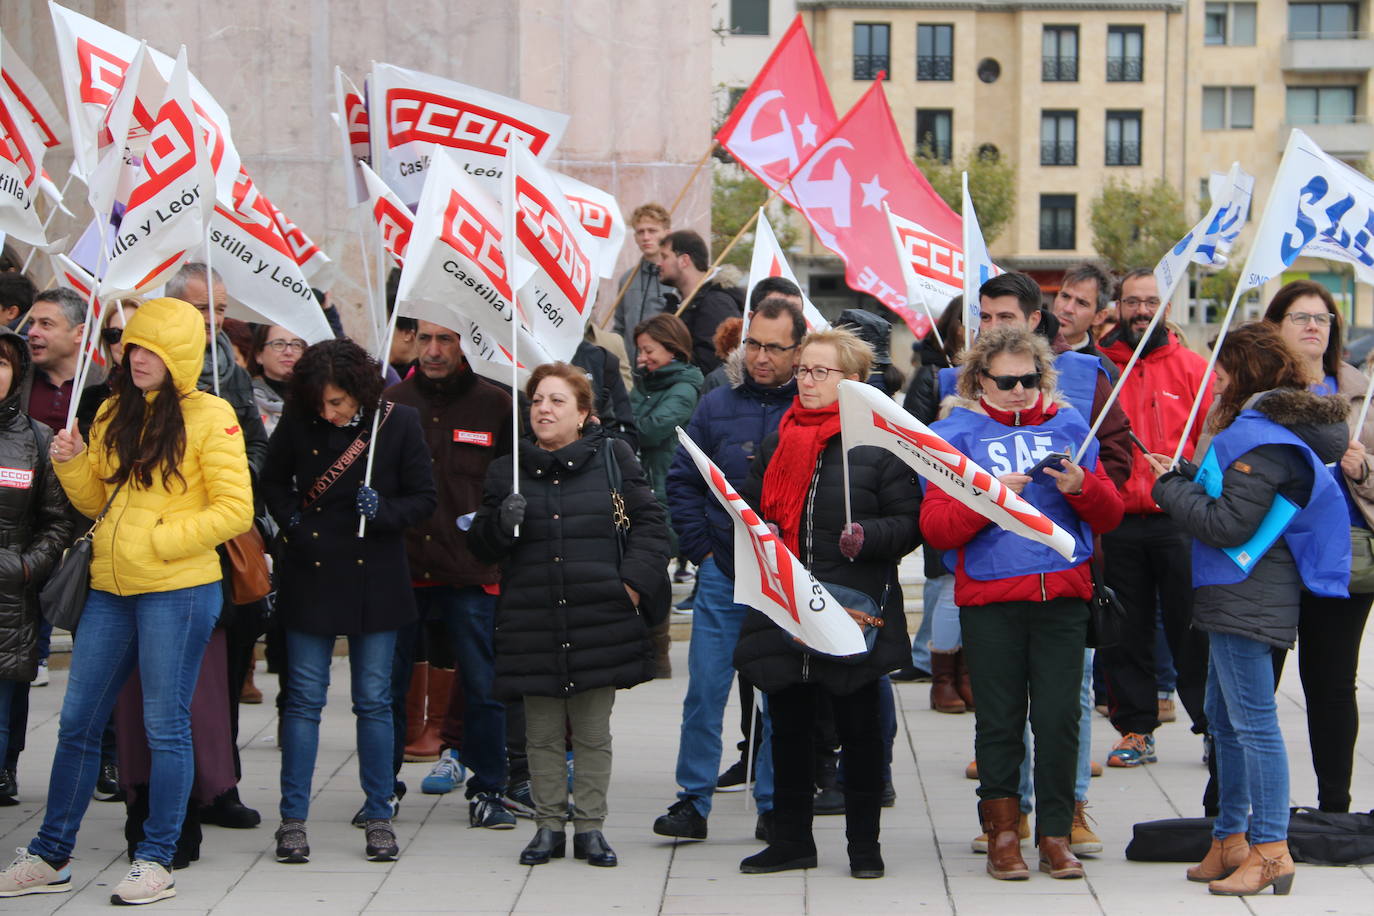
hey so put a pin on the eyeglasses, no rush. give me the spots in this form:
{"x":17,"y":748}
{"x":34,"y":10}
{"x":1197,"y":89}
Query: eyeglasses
{"x":1029,"y":382}
{"x":297,"y":345}
{"x":1136,"y":302}
{"x":111,"y":336}
{"x":817,"y":373}
{"x":772,"y":349}
{"x":1303,"y":319}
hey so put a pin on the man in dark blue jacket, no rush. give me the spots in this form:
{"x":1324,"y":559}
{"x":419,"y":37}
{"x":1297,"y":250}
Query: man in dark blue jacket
{"x":729,"y":425}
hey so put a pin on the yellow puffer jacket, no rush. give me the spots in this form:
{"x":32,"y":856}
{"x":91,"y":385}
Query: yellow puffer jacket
{"x":164,"y":537}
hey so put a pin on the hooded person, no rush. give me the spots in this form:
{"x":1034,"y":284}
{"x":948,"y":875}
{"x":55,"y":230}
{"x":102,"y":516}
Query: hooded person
{"x":166,"y":467}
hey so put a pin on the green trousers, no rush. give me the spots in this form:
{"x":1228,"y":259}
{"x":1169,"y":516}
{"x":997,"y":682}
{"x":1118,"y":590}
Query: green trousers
{"x":1028,"y":655}
{"x":548,"y":721}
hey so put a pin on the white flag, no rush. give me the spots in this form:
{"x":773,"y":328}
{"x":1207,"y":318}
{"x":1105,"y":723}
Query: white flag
{"x":932,"y":267}
{"x":768,"y":260}
{"x":354,"y":135}
{"x":410,"y":111}
{"x":394,"y":220}
{"x":259,"y":268}
{"x":770,"y":578}
{"x":169,"y":206}
{"x":600,"y":215}
{"x":33,"y":98}
{"x":1318,"y":206}
{"x":978,"y":268}
{"x":93,"y":58}
{"x":21,"y":165}
{"x":1236,"y":188}
{"x":556,"y":300}
{"x":1224,"y":216}
{"x":869,"y":417}
{"x":455,"y":271}
{"x":307,"y":255}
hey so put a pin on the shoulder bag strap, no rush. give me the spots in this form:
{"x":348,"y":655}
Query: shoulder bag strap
{"x":615,"y":483}
{"x":344,"y":461}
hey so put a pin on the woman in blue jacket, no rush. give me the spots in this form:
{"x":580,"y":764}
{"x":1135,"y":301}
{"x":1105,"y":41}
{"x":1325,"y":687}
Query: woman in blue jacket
{"x":1267,"y":520}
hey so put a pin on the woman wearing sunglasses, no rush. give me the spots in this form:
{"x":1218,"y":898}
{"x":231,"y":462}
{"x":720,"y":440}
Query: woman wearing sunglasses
{"x":798,"y":483}
{"x":1022,"y":606}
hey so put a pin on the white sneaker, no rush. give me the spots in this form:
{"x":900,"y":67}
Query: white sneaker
{"x":28,"y":874}
{"x":41,"y":678}
{"x":146,"y":882}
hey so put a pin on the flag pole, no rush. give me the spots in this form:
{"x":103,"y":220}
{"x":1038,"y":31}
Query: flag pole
{"x":624,"y":288}
{"x":83,"y":358}
{"x":1120,"y":382}
{"x":52,"y":211}
{"x":376,"y":416}
{"x":515,"y":399}
{"x":377,"y":329}
{"x":1206,"y":376}
{"x":724,"y":251}
{"x":210,"y":304}
{"x":970,"y":289}
{"x":691,"y":178}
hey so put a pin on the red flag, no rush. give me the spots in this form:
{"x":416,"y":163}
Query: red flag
{"x":841,"y":190}
{"x":778,"y":121}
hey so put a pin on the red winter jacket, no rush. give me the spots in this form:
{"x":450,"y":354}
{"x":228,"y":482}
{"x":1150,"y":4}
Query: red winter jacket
{"x":948,"y":524}
{"x":1157,"y":397}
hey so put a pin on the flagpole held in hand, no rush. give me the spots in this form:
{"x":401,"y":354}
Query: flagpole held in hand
{"x":376,"y":415}
{"x":83,"y":356}
{"x":1120,"y":382}
{"x":210,"y":296}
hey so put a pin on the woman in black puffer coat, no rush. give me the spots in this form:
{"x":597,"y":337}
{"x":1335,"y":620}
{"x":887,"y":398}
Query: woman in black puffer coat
{"x":797,"y":483}
{"x":568,"y":626}
{"x":34,"y":526}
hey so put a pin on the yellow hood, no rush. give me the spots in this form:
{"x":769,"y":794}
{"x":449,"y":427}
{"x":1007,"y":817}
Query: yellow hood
{"x":175,"y":331}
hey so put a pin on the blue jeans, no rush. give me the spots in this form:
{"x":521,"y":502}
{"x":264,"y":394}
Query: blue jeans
{"x":946,"y":635}
{"x":1085,"y":744}
{"x":369,"y":660}
{"x":716,"y":622}
{"x":164,"y":634}
{"x":1252,"y":765}
{"x":469,"y":616}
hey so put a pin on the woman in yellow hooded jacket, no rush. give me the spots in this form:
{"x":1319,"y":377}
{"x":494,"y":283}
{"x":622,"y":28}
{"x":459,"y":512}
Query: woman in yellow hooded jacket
{"x":169,"y":462}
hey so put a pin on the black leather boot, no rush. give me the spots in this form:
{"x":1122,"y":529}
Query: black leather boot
{"x":592,"y":846}
{"x":862,"y":813}
{"x":547,"y":844}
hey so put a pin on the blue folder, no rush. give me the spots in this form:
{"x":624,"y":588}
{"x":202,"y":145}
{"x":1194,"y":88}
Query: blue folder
{"x":1275,"y":521}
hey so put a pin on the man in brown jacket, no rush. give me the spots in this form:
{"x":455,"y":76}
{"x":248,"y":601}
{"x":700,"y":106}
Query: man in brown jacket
{"x":467,"y":425}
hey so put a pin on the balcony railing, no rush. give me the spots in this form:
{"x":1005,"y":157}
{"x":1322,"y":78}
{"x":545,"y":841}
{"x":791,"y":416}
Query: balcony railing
{"x":1059,"y":69}
{"x":935,"y":67}
{"x":868,"y":66}
{"x":1125,"y":69}
{"x":1062,"y":152}
{"x":1123,"y":153}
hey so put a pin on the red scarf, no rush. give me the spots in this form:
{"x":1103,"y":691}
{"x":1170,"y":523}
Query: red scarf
{"x":802,"y":435}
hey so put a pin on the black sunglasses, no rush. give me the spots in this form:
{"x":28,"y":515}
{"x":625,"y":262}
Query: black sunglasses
{"x":111,"y":336}
{"x":1029,"y":381}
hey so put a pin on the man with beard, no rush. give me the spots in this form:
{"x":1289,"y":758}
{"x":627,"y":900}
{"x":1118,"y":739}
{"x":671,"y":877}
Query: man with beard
{"x":1148,"y":558}
{"x":683,"y":263}
{"x":467,"y":425}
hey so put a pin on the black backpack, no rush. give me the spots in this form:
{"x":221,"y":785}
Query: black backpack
{"x":1314,"y":837}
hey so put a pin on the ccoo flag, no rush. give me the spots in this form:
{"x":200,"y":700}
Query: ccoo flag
{"x":768,"y":577}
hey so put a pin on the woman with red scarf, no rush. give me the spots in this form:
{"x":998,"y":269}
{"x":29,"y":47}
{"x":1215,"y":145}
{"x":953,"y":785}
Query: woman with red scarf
{"x":798,"y":484}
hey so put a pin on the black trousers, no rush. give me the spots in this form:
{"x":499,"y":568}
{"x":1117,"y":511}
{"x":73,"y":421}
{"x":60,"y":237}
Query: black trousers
{"x":1329,"y":632}
{"x":793,"y":713}
{"x":1148,"y":562}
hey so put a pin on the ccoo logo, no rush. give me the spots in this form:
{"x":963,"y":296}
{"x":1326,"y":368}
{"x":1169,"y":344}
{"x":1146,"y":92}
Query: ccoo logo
{"x":171,"y":153}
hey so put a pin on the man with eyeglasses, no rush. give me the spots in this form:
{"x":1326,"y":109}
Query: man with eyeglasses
{"x":728,"y":425}
{"x":1148,"y":557}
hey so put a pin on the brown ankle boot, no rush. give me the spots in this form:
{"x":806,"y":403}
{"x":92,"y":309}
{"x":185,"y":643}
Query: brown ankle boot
{"x":1267,"y":864}
{"x":944,"y":696}
{"x":1000,"y":818}
{"x":962,"y":683}
{"x":1225,"y":856}
{"x":1056,"y":859}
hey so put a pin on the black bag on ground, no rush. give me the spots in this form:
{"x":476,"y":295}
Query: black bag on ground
{"x":1314,"y":837}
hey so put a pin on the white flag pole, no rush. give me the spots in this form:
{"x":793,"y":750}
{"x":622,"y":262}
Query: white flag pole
{"x":374,"y":316}
{"x":210,"y":304}
{"x":848,"y":511}
{"x":52,"y":211}
{"x":1206,"y":376}
{"x":970,"y":289}
{"x":1120,"y":382}
{"x":83,"y":356}
{"x":515,"y":402}
{"x":377,"y":415}
{"x":1364,"y":408}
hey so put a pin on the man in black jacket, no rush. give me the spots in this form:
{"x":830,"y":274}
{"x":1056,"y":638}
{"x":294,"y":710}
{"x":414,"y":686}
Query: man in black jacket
{"x":682,"y":264}
{"x":467,"y":425}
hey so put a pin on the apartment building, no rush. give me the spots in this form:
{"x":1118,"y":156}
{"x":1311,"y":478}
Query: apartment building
{"x":1076,"y":92}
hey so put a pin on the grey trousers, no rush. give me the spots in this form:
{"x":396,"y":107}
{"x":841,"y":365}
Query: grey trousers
{"x":548,"y":721}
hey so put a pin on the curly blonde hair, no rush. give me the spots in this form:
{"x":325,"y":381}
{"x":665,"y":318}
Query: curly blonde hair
{"x":1015,"y":341}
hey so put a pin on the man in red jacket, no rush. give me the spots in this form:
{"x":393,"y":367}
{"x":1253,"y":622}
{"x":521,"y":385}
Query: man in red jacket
{"x":1148,"y":558}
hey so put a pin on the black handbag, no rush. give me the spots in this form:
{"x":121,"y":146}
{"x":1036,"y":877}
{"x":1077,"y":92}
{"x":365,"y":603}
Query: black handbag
{"x":653,"y":604}
{"x":63,"y":596}
{"x":1106,"y":614}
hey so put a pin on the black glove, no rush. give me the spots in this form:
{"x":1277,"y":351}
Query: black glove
{"x":367,"y":502}
{"x":512,"y":513}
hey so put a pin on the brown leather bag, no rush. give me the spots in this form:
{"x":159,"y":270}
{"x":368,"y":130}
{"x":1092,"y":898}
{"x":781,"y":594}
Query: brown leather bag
{"x":249,"y":579}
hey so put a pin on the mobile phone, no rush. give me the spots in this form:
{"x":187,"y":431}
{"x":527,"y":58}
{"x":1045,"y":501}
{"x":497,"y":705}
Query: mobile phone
{"x":1049,"y":461}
